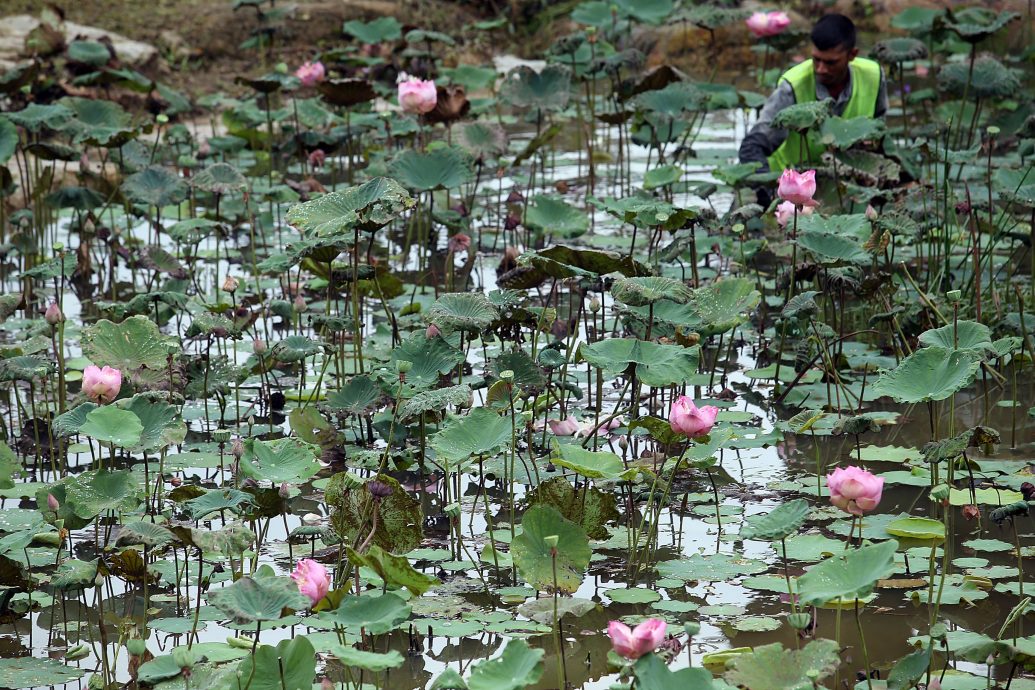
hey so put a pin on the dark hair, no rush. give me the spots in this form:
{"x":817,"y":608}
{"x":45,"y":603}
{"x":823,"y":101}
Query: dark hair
{"x":834,"y":31}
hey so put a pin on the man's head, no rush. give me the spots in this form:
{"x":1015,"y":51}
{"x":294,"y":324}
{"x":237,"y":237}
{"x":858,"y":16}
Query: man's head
{"x":833,"y":47}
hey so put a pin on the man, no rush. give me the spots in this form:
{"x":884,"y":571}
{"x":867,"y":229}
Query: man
{"x":835,"y":71}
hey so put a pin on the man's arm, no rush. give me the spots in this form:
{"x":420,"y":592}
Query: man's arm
{"x":764,"y":139}
{"x":881,"y":108}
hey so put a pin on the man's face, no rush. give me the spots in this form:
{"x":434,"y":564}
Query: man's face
{"x":831,"y":66}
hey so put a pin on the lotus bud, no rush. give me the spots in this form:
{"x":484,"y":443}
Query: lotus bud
{"x":871,"y":213}
{"x":594,"y":305}
{"x":692,"y":628}
{"x":300,"y":305}
{"x":1027,"y":490}
{"x":136,"y":646}
{"x":311,"y":519}
{"x":284,"y":491}
{"x":432,"y":332}
{"x":183,"y":656}
{"x":237,"y":449}
{"x":623,"y":443}
{"x":230,"y":284}
{"x":317,"y":157}
{"x":799,"y":621}
{"x":935,"y":684}
{"x":259,"y":346}
{"x":52,"y":503}
{"x":175,"y":481}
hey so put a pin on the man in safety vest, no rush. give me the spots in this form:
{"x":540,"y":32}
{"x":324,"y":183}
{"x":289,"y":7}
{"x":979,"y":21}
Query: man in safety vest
{"x":835,"y":71}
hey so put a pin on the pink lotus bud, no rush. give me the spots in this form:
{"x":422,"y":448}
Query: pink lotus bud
{"x":690,"y":420}
{"x":312,"y":579}
{"x":785,"y":213}
{"x":101,"y":385}
{"x":52,"y":502}
{"x":871,"y":212}
{"x":175,"y":481}
{"x":417,"y":96}
{"x":311,"y":73}
{"x":798,"y":188}
{"x":432,"y":332}
{"x":854,"y":490}
{"x":317,"y":158}
{"x":459,"y":242}
{"x":259,"y":346}
{"x":53,"y":315}
{"x":300,"y":305}
{"x":237,"y":448}
{"x":285,"y":490}
{"x":643,"y":639}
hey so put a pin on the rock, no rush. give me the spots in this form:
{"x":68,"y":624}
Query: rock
{"x":14,"y":29}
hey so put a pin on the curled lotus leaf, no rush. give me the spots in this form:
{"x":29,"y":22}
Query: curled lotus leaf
{"x":899,"y":49}
{"x":990,"y":79}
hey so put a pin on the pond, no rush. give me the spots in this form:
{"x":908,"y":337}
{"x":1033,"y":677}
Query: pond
{"x":349,"y":383}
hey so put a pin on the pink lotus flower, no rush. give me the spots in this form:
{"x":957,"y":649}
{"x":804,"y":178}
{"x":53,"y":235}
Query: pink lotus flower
{"x":52,"y":503}
{"x":417,"y":96}
{"x":798,"y":188}
{"x":643,"y":639}
{"x":854,"y":490}
{"x":432,"y":331}
{"x":591,"y":428}
{"x":312,"y":579}
{"x":690,"y":420}
{"x":53,"y":315}
{"x":763,"y":24}
{"x":564,"y":427}
{"x":317,"y":158}
{"x":871,"y":212}
{"x":311,"y":73}
{"x":785,"y":213}
{"x":459,"y":243}
{"x":922,"y":71}
{"x":101,"y":385}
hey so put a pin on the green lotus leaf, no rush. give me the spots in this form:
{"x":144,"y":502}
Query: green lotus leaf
{"x":399,"y":529}
{"x":78,"y":198}
{"x":396,"y":571}
{"x":109,"y":424}
{"x":230,"y":541}
{"x":250,"y":600}
{"x":290,"y":460}
{"x":964,"y":335}
{"x":910,"y":669}
{"x":990,"y":79}
{"x":155,"y":186}
{"x":219,"y":178}
{"x":8,"y":139}
{"x":135,"y":346}
{"x":804,"y":116}
{"x":975,"y":24}
{"x":480,"y":139}
{"x":35,"y":672}
{"x":466,"y":311}
{"x":771,"y":667}
{"x":592,"y":464}
{"x":360,"y":395}
{"x":375,"y":615}
{"x":215,"y":500}
{"x":99,"y":122}
{"x":373,"y":662}
{"x":25,"y":368}
{"x":587,"y":506}
{"x":435,"y":400}
{"x":548,"y":89}
{"x":375,"y":31}
{"x":93,"y":53}
{"x":551,"y":215}
{"x":711,"y":567}
{"x":98,"y":491}
{"x":723,"y":305}
{"x":430,"y":358}
{"x":35,"y":117}
{"x":899,"y":49}
{"x":143,"y":533}
{"x":518,"y":667}
{"x":296,"y":348}
{"x":917,"y":20}
{"x":160,"y":422}
{"x":652,"y":673}
{"x":443,"y":168}
{"x":843,"y":134}
{"x":291,"y":665}
{"x":639,"y":292}
{"x":74,"y":574}
{"x":930,"y":373}
{"x":655,"y":364}
{"x":780,"y":523}
{"x":541,"y":610}
{"x":847,"y":575}
{"x":479,"y":432}
{"x":369,"y":206}
{"x":831,"y":249}
{"x":533,"y":556}
{"x":914,"y":527}
{"x":662,"y":176}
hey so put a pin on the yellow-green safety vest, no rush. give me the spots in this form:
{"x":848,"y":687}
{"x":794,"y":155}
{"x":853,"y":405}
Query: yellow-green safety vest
{"x":862,"y":102}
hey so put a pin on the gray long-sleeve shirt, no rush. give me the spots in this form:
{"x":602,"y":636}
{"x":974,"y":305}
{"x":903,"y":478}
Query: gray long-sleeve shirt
{"x":764,"y":139}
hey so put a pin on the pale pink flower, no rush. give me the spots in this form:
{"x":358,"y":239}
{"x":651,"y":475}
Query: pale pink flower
{"x":52,"y":502}
{"x":432,"y":331}
{"x":590,"y":428}
{"x":763,"y":24}
{"x":871,"y":212}
{"x":311,"y":73}
{"x":854,"y":490}
{"x":312,"y":579}
{"x":922,"y":71}
{"x":417,"y":96}
{"x":690,"y":420}
{"x":564,"y":427}
{"x":101,"y":385}
{"x":53,"y":315}
{"x":459,"y":242}
{"x":798,"y":188}
{"x":317,"y":158}
{"x":785,"y":213}
{"x":643,"y":639}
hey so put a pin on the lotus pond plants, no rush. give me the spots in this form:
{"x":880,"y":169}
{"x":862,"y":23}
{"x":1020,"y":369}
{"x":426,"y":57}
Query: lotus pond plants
{"x":391,"y":368}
